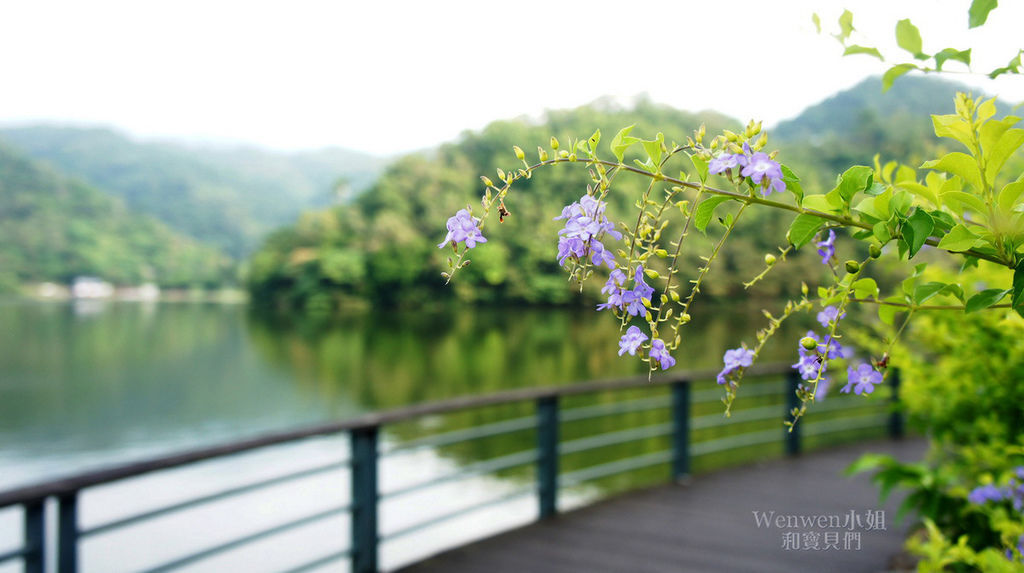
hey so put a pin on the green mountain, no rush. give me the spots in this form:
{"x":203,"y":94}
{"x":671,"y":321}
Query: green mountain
{"x":228,"y":197}
{"x":53,"y":228}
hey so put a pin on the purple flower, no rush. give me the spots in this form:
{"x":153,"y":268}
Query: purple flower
{"x":462,"y":227}
{"x":764,"y":171}
{"x":660,"y":353}
{"x":733,"y":360}
{"x":827,"y":247}
{"x":630,"y":301}
{"x":723,"y":163}
{"x":862,"y":379}
{"x":809,"y":365}
{"x":986,"y":493}
{"x":631,"y":341}
{"x":585,"y":223}
{"x":829,"y":314}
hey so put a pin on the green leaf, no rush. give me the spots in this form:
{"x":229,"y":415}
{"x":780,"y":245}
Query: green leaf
{"x":701,"y":166}
{"x":653,"y":148}
{"x":927,"y":290}
{"x":819,"y":203}
{"x":845,"y":25}
{"x":920,"y":225}
{"x":817,"y":22}
{"x":1010,"y":67}
{"x":706,"y":210}
{"x":622,"y":141}
{"x":1017,"y":301}
{"x":803,"y":229}
{"x":958,"y":239}
{"x":908,"y":37}
{"x":865,"y":288}
{"x":869,"y":462}
{"x":978,"y":12}
{"x":1009,"y":196}
{"x":852,"y":181}
{"x":881,"y":232}
{"x":962,"y":56}
{"x":594,"y":140}
{"x":1010,"y":141}
{"x":854,"y":49}
{"x":792,"y":183}
{"x":985,"y":299}
{"x":958,"y":200}
{"x":894,"y":72}
{"x":960,"y":164}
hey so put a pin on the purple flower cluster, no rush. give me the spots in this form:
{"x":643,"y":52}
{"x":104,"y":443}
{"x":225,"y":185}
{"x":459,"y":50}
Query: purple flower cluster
{"x":759,"y":166}
{"x":1012,"y":492}
{"x":585,"y":223}
{"x":629,"y":300}
{"x":463,"y":227}
{"x":631,"y":341}
{"x":815,"y":359}
{"x":827,"y":247}
{"x":660,"y":353}
{"x":733,"y":360}
{"x":861,"y":379}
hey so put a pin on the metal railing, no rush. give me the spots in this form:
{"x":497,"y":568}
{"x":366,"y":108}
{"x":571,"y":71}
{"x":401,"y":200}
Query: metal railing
{"x":365,"y":455}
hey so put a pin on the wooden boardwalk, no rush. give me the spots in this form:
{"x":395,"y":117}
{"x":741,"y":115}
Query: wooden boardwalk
{"x":709,"y":525}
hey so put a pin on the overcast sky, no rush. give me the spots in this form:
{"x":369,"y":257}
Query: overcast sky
{"x":388,"y":77}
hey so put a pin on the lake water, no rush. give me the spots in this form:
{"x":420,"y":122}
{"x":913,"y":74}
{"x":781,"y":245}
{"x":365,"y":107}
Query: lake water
{"x":84,"y":386}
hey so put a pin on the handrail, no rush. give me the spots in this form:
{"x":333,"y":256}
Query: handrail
{"x":79,"y":482}
{"x":366,"y":454}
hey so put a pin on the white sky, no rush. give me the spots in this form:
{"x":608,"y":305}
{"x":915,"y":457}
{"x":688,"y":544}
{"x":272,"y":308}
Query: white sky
{"x":388,"y":77}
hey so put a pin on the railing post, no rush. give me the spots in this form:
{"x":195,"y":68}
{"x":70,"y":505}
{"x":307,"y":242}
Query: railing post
{"x":35,"y":536}
{"x":680,"y":429}
{"x":896,"y":415}
{"x":364,"y":499}
{"x":792,"y":401}
{"x":67,"y":533}
{"x":547,"y":459}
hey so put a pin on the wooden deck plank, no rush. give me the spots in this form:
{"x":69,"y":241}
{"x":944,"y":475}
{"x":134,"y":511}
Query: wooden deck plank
{"x":704,"y":525}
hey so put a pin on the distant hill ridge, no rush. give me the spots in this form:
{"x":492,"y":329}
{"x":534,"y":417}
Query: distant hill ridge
{"x":228,"y":197}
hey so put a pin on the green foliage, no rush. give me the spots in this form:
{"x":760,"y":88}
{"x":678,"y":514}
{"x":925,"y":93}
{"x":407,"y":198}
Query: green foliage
{"x":53,"y":229}
{"x":228,"y":197}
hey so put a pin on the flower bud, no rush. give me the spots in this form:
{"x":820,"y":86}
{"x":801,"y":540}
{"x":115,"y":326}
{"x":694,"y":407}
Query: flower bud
{"x":651,"y":273}
{"x":519,"y":153}
{"x":808,"y":343}
{"x":661,"y":253}
{"x":563,"y":154}
{"x":487,"y":181}
{"x":684,"y":318}
{"x":501,"y":174}
{"x":852,"y":267}
{"x":769,"y":259}
{"x":554,"y":143}
{"x":875,"y":251}
{"x":543,"y":153}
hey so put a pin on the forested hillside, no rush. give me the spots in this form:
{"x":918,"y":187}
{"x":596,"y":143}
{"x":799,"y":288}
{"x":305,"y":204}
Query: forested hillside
{"x":53,"y":228}
{"x":382,"y":247}
{"x":228,"y":197}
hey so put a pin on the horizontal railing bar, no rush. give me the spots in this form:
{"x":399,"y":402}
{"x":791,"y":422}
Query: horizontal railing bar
{"x":456,"y":436}
{"x":212,"y":497}
{"x":755,"y":389}
{"x":602,"y":410}
{"x":737,"y":441}
{"x":616,"y":467}
{"x":475,"y":469}
{"x":461,"y":511}
{"x":246,"y":539}
{"x":15,"y":553}
{"x":78,"y":482}
{"x":745,"y":415}
{"x":612,"y":438}
{"x":320,"y":561}
{"x":851,"y":423}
